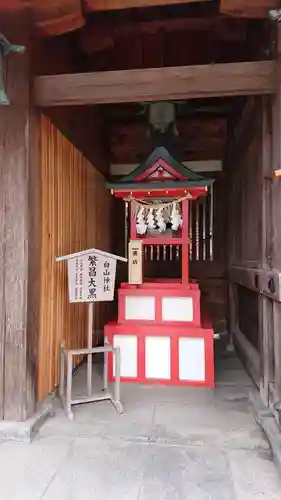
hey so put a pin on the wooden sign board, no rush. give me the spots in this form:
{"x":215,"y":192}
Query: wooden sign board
{"x":135,"y":262}
{"x":91,"y":275}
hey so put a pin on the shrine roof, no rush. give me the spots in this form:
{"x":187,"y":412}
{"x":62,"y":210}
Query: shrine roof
{"x":160,"y":170}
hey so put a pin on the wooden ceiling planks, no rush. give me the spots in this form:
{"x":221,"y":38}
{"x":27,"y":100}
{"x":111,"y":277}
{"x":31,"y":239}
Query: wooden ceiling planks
{"x":240,"y":8}
{"x":198,"y":139}
{"x":186,"y":82}
{"x":105,"y":35}
{"x":56,"y":17}
{"x":129,"y":43}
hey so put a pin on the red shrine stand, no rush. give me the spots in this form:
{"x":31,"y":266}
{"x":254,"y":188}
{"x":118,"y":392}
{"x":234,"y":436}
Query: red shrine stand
{"x":160,"y":330}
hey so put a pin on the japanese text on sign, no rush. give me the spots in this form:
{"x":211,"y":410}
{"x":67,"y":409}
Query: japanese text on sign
{"x":135,"y":262}
{"x":91,"y":278}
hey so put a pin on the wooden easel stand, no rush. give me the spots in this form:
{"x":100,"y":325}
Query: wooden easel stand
{"x":66,"y":357}
{"x":65,"y":388}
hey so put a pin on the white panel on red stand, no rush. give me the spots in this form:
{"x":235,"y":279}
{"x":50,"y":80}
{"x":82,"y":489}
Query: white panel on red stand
{"x":129,"y":354}
{"x":192,"y":359}
{"x":142,"y":308}
{"x":158,"y":358}
{"x":177,"y":309}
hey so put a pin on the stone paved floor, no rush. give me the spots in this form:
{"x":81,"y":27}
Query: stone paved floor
{"x":171,"y":444}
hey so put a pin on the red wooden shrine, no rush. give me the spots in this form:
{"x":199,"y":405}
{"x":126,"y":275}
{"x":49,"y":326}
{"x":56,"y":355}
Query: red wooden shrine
{"x":159,"y":329}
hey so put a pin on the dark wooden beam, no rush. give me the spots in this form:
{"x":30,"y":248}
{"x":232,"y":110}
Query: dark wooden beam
{"x":255,"y":9}
{"x":56,"y":17}
{"x":186,"y":82}
{"x":50,"y":17}
{"x":104,"y":5}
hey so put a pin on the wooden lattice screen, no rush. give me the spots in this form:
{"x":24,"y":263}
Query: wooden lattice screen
{"x":201,"y":225}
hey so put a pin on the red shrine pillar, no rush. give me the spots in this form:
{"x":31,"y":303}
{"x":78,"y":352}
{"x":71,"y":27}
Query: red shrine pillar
{"x":185,"y":243}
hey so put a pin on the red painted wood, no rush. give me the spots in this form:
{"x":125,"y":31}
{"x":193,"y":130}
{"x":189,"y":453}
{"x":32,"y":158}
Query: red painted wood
{"x":185,"y":242}
{"x":175,"y":358}
{"x":167,"y":382}
{"x":209,"y":358}
{"x":141,"y":357}
{"x":163,"y":283}
{"x":154,"y":329}
{"x":158,"y":307}
{"x":160,"y":162}
{"x":161,"y":240}
{"x":141,"y":331}
{"x":156,"y":193}
{"x":161,"y":288}
{"x":159,"y":293}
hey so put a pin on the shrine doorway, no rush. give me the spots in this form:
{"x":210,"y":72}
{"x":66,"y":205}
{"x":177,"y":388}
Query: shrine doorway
{"x":222,"y":121}
{"x":94,"y":84}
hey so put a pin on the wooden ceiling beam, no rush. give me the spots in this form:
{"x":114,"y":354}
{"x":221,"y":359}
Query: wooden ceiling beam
{"x":185,"y":82}
{"x":105,"y":5}
{"x":257,"y":9}
{"x":56,"y":17}
{"x":50,"y":17}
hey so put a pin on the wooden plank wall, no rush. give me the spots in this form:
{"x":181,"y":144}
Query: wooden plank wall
{"x":254,"y":245}
{"x":211,"y":275}
{"x":245,"y":182}
{"x":255,"y":242}
{"x":245,"y":223}
{"x":76,"y":213}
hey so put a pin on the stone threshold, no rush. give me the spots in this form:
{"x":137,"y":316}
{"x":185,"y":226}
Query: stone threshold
{"x":265,"y":418}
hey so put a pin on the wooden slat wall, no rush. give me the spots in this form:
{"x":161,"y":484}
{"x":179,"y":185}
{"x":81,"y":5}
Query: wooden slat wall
{"x":245,"y":209}
{"x":245,"y":214}
{"x":76,"y":209}
{"x":211,"y":274}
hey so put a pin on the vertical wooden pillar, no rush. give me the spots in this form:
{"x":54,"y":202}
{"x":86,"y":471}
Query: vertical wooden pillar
{"x":232,"y":221}
{"x":276,"y":227}
{"x":19,"y":231}
{"x":265,"y":304}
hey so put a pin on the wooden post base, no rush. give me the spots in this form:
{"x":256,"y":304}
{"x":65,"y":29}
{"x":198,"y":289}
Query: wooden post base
{"x":65,"y":388}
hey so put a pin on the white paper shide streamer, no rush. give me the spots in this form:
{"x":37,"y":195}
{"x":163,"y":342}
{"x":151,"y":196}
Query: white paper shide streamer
{"x":141,"y":225}
{"x":160,"y":221}
{"x":176,"y":219}
{"x":150,"y":219}
{"x":156,"y":219}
